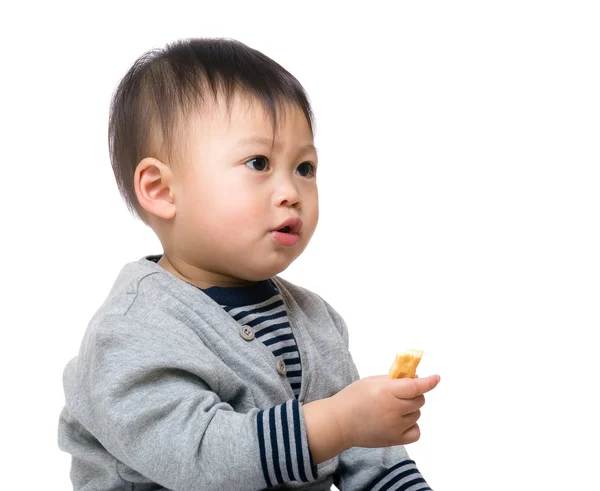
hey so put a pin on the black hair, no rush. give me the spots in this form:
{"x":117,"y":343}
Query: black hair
{"x":164,"y":85}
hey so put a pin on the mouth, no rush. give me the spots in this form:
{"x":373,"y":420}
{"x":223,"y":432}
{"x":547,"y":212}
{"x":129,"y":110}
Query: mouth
{"x":290,"y":226}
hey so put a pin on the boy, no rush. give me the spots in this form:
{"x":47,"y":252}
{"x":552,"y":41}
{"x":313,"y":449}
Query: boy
{"x":203,"y":369}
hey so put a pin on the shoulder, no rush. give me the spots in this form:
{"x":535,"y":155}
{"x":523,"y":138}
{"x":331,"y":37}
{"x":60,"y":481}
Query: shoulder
{"x":146,"y":308}
{"x":143,"y":291}
{"x":149,"y":321}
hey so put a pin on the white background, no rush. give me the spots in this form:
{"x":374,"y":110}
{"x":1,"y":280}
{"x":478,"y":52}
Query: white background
{"x":460,"y":196}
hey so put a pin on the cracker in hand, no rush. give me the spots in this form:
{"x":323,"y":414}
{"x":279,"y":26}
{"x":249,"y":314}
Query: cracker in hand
{"x":405,"y":364}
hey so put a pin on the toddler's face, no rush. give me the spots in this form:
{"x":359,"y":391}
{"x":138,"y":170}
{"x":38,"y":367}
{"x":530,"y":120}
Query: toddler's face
{"x":246,"y":209}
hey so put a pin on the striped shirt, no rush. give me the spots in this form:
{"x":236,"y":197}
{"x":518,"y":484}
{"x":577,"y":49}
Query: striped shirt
{"x":260,"y":307}
{"x":284,"y":451}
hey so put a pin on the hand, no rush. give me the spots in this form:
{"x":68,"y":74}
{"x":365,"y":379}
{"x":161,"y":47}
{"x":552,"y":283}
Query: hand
{"x":381,"y":412}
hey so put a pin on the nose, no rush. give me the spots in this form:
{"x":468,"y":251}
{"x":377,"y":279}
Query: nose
{"x":287,"y":194}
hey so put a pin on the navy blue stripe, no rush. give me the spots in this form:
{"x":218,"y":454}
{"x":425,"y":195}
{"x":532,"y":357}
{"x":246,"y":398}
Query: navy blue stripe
{"x":261,"y":445}
{"x":294,"y":373}
{"x":278,"y":339}
{"x":380,"y":478}
{"x":299,"y":457}
{"x":406,"y":485}
{"x":286,"y":442}
{"x":261,"y":332}
{"x":260,"y":320}
{"x":285,"y":349}
{"x":313,"y":467}
{"x":274,"y":449}
{"x":240,"y":296}
{"x":258,"y":310}
{"x":296,"y":386}
{"x":292,"y":361}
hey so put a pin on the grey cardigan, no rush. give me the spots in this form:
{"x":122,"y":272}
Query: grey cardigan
{"x":166,"y":394}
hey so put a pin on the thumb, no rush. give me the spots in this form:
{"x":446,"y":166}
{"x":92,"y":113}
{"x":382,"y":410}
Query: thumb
{"x":408,"y":388}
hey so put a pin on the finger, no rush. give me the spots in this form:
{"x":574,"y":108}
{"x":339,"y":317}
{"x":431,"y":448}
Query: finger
{"x":409,"y":406}
{"x":418,"y":402}
{"x":412,"y":434}
{"x":408,"y":388}
{"x":412,"y":418}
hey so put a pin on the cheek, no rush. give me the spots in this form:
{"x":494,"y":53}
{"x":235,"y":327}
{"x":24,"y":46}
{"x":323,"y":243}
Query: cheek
{"x":312,"y":206}
{"x":238,"y":206}
{"x":314,"y":218}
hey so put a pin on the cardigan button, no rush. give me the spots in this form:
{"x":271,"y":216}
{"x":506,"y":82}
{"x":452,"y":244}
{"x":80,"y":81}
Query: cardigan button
{"x":281,"y":367}
{"x":247,"y":333}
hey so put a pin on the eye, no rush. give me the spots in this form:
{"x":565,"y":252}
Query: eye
{"x":306,"y":169}
{"x":259,"y":163}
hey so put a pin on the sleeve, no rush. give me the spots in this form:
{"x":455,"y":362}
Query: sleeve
{"x":378,"y":469}
{"x":374,"y":469}
{"x":149,"y":396}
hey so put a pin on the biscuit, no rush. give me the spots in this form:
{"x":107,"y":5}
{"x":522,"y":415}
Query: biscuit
{"x":405,"y":364}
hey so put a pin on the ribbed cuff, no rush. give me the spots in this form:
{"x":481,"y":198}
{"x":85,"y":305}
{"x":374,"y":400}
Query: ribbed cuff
{"x":284,"y":452}
{"x":401,"y":477}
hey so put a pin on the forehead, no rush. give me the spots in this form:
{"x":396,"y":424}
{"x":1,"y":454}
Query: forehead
{"x":243,"y":114}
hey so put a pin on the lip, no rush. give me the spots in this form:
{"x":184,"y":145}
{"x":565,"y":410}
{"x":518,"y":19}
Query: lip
{"x":291,"y":237}
{"x":294,"y":224}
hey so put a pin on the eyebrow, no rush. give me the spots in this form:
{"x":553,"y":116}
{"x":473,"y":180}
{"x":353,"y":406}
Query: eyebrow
{"x":253,"y":140}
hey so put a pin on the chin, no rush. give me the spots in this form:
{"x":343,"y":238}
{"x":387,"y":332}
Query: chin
{"x":257,"y":268}
{"x":267,"y":272}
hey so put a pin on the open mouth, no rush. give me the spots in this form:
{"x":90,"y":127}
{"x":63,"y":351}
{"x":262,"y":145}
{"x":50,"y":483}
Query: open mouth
{"x":287,"y":233}
{"x":290,"y":226}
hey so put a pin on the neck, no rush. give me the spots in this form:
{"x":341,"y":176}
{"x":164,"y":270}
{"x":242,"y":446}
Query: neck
{"x":197,"y":276}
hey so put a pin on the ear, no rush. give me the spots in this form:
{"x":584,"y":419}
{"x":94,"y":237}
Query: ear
{"x":153,"y":181}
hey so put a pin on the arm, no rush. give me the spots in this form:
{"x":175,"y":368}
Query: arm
{"x":324,"y":436}
{"x":388,"y":468}
{"x":149,"y":396}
